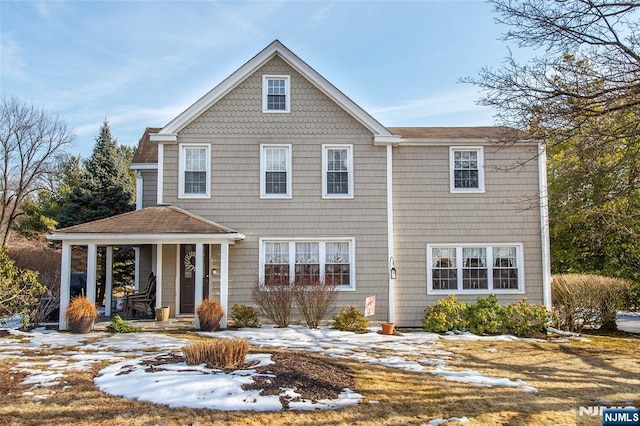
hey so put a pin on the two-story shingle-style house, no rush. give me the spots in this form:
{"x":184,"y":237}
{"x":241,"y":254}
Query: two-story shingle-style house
{"x":277,"y":175}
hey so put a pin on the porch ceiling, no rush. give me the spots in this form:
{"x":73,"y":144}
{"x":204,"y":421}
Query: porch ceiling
{"x":155,"y":224}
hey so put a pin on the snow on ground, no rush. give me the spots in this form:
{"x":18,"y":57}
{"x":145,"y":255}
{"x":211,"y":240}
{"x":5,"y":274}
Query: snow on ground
{"x":179,"y":385}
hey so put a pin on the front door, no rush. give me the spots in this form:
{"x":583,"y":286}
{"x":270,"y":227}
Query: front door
{"x":188,"y":277}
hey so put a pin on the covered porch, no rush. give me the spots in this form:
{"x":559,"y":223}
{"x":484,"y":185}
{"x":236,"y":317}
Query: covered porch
{"x":187,"y":253}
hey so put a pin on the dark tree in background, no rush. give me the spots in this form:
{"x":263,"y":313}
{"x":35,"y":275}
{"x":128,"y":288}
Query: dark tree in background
{"x":106,"y":186}
{"x":581,"y":96}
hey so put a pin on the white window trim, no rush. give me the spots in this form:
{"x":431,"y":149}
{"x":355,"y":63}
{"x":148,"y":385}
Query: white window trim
{"x":263,"y":167}
{"x":287,"y":93}
{"x":349,"y":148}
{"x":490,"y":290}
{"x":181,"y":163}
{"x":452,"y":188}
{"x":292,"y":257}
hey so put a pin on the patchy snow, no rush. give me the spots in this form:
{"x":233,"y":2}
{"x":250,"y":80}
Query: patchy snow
{"x":180,"y":385}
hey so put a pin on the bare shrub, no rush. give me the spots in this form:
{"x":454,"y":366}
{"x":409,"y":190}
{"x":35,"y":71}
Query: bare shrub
{"x":275,"y":300}
{"x":314,"y":298}
{"x":589,"y":301}
{"x":217,"y":353}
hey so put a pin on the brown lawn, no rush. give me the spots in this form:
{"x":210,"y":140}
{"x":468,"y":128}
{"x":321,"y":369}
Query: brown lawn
{"x":565,"y":373}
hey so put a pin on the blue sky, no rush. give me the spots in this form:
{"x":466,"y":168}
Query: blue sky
{"x":141,"y":63}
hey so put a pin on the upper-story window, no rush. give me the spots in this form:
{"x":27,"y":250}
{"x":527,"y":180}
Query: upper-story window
{"x":466,"y":169}
{"x":275,"y":93}
{"x":337,"y":174}
{"x":194,"y":175}
{"x":275,"y":171}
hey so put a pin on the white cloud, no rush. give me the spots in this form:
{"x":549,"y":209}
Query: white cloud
{"x":12,"y":63}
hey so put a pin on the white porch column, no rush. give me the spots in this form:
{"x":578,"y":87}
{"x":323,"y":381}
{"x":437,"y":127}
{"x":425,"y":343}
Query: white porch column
{"x":224,"y":282}
{"x":136,"y":275}
{"x":159,"y":276}
{"x":108,"y":284}
{"x":92,"y":260}
{"x":198,"y":291}
{"x":65,"y":284}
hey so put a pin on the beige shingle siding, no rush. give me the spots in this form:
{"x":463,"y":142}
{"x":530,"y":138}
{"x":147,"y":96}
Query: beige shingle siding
{"x":149,"y":188}
{"x":236,"y":127}
{"x":239,"y":113}
{"x":425,"y":212}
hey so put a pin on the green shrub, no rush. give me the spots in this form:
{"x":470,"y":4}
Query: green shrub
{"x":485,"y":316}
{"x":245,"y":316}
{"x":522,"y":319}
{"x":118,"y":325}
{"x":20,"y":290}
{"x":350,"y":319}
{"x":591,"y":301}
{"x":446,"y":315}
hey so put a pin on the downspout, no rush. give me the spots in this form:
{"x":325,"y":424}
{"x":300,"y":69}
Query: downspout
{"x":544,"y":225}
{"x":160,"y":173}
{"x":392,"y":281}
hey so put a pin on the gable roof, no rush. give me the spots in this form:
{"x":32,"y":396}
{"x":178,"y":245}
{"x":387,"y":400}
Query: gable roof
{"x":158,"y":222}
{"x":147,"y":151}
{"x":168,"y":132}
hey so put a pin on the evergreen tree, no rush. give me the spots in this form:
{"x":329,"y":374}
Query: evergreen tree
{"x":106,"y":186}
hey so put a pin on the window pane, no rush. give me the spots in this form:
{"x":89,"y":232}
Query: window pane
{"x":276,"y":94}
{"x":337,"y":266}
{"x":466,"y":171}
{"x":444,"y":272}
{"x":276,"y":162}
{"x":276,"y":259}
{"x":505,"y":268}
{"x":337,"y":171}
{"x":307,"y":263}
{"x":474,"y":268}
{"x":195,"y":182}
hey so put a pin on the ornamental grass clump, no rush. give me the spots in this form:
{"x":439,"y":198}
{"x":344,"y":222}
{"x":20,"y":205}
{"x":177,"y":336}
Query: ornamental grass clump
{"x":81,"y":308}
{"x":210,"y":313}
{"x":351,"y":319}
{"x":222,"y":354}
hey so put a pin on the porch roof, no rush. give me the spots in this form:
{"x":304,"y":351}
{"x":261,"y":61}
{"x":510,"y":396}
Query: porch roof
{"x":155,"y":224}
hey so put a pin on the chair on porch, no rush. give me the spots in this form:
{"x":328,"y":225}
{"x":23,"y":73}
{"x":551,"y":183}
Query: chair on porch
{"x":142,"y":301}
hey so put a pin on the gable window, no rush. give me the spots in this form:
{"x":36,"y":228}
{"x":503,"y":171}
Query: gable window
{"x":299,"y":261}
{"x":474,"y":268}
{"x":337,"y":175}
{"x":275,"y":171}
{"x":195,"y":170}
{"x":275,"y":93}
{"x":466,"y":169}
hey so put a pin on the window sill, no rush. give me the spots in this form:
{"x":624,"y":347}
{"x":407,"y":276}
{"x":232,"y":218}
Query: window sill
{"x":476,"y":291}
{"x":194,"y":196}
{"x":337,"y":197}
{"x":275,"y":197}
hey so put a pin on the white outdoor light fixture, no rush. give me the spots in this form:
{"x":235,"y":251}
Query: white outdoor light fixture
{"x":392,"y":271}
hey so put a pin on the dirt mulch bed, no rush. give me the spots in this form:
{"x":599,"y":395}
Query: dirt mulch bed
{"x":312,"y":378}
